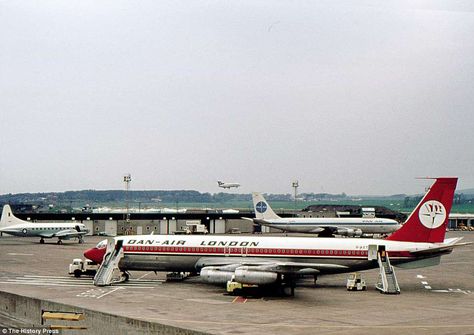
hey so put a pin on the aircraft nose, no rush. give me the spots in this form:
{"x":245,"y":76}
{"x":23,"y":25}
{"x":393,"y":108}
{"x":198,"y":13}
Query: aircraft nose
{"x":95,"y":254}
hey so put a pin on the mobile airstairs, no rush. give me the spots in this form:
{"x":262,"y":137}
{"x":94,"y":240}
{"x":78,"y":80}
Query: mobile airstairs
{"x":387,"y":282}
{"x":109,"y":271}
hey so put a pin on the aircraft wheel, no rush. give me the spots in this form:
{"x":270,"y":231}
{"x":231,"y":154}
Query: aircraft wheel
{"x":288,"y":291}
{"x":81,"y":241}
{"x":41,"y":241}
{"x":126,"y":276}
{"x":60,"y":242}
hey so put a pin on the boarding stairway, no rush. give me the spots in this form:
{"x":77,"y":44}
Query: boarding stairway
{"x":387,"y":283}
{"x":109,"y":271}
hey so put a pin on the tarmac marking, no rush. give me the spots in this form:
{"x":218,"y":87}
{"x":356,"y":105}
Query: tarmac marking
{"x":240,"y":300}
{"x":51,"y":277}
{"x":111,"y":291}
{"x":41,"y":284}
{"x":420,"y":276}
{"x":449,"y":290}
{"x":92,"y":293}
{"x":18,"y":254}
{"x":73,"y":282}
{"x":146,"y":274}
{"x":458,"y":290}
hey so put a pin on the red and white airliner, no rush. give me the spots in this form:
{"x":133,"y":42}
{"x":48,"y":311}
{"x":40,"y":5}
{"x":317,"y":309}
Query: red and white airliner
{"x":265,"y":260}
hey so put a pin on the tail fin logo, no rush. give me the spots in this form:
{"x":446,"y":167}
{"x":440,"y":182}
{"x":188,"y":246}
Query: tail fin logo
{"x":432,"y":214}
{"x":261,"y":207}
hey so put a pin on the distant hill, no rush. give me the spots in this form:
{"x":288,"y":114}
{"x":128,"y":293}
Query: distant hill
{"x":157,"y":198}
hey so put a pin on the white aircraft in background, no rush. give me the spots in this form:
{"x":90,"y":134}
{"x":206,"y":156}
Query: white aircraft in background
{"x":9,"y":224}
{"x":227,"y":185}
{"x":275,"y":260}
{"x":265,"y":216}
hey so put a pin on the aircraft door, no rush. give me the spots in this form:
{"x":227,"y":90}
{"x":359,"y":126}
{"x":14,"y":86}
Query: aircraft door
{"x":372,"y":252}
{"x":226,"y":251}
{"x":244,"y":251}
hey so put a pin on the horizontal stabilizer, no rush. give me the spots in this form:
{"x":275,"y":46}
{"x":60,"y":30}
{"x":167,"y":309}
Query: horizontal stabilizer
{"x":447,"y":248}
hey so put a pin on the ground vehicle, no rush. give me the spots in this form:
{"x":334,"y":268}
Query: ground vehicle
{"x":80,"y":267}
{"x":235,"y":288}
{"x":355,"y":282}
{"x":193,"y":227}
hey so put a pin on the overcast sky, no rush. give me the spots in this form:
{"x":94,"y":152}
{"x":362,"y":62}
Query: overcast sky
{"x":345,"y":96}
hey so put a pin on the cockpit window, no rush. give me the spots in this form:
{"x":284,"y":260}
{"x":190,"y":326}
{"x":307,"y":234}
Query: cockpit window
{"x":101,"y":244}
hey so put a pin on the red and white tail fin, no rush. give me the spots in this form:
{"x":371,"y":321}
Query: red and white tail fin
{"x":428,"y":222}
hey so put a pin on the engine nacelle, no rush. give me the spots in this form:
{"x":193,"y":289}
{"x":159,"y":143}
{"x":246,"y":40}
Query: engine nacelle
{"x":211,"y":275}
{"x":349,"y":232}
{"x":244,"y":276}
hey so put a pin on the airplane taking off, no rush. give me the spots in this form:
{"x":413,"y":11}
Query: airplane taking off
{"x":9,"y":224}
{"x":227,"y":185}
{"x":324,"y":227}
{"x":270,"y":260}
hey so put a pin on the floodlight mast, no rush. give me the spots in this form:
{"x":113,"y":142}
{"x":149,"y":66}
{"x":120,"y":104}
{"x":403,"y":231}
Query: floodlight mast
{"x":295,"y":185}
{"x":127,"y":179}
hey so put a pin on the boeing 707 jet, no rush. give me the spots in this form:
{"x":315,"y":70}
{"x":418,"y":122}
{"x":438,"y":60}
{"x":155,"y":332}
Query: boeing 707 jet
{"x":265,"y":216}
{"x":275,"y":260}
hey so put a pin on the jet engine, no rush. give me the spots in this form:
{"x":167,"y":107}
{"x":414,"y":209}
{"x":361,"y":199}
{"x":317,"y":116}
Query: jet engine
{"x":212,"y":275}
{"x":245,"y":276}
{"x":351,"y":232}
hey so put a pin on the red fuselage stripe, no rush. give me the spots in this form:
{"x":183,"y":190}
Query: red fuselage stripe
{"x":256,"y":251}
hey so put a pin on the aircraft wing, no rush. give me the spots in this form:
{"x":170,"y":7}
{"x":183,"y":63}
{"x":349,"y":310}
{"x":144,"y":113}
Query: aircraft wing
{"x":288,"y":227}
{"x":68,"y":233}
{"x":256,"y":264}
{"x":46,"y":235}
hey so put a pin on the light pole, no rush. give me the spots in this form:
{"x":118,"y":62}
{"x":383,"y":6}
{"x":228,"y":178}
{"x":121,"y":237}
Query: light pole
{"x":295,"y":185}
{"x":127,"y":179}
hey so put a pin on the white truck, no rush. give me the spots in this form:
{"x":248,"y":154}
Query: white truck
{"x":80,"y":267}
{"x":192,"y":227}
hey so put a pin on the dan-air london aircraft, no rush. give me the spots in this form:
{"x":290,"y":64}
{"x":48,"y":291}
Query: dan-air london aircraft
{"x":10,"y":224}
{"x":324,"y":227}
{"x":227,"y":185}
{"x":271,"y":260}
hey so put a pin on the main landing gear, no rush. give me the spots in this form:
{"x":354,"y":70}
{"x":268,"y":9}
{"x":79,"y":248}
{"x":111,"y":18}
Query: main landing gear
{"x":42,"y":241}
{"x":60,"y":241}
{"x":81,"y":240}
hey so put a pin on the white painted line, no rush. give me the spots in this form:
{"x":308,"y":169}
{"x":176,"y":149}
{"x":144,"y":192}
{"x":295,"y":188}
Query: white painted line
{"x":441,"y":291}
{"x":420,"y":276}
{"x":40,"y":284}
{"x":51,"y":281}
{"x":428,"y":287}
{"x":18,"y":254}
{"x":424,"y":283}
{"x":38,"y":280}
{"x":146,"y":274}
{"x":35,"y":276}
{"x":56,"y":279}
{"x":111,"y":291}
